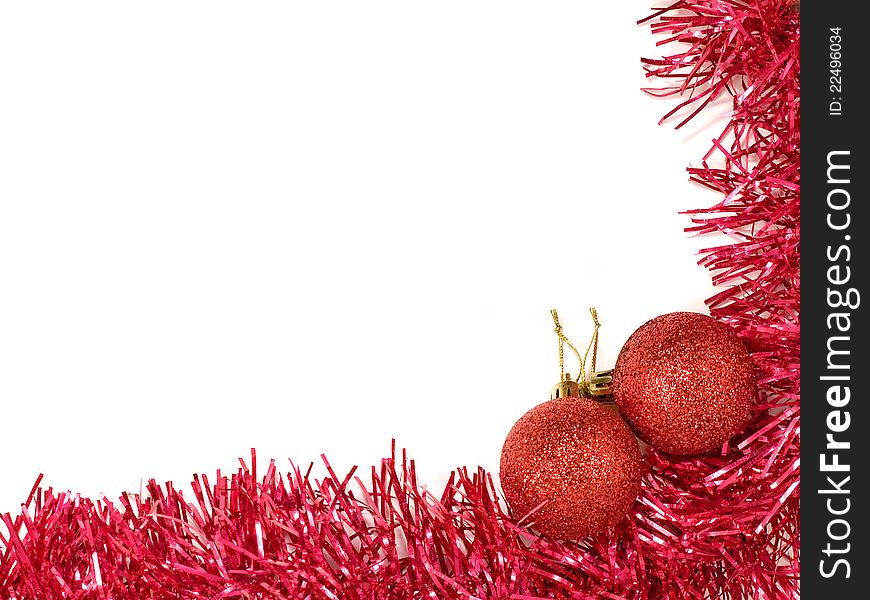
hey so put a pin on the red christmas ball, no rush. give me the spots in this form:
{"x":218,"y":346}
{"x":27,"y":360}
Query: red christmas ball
{"x":684,"y":382}
{"x":579,"y":460}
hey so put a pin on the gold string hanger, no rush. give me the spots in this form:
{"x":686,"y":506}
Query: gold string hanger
{"x":582,"y":386}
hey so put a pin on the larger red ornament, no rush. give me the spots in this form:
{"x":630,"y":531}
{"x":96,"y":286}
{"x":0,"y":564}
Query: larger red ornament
{"x":684,"y":382}
{"x":574,"y":461}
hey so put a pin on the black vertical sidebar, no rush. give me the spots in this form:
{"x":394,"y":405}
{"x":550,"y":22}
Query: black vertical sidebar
{"x":835,"y":349}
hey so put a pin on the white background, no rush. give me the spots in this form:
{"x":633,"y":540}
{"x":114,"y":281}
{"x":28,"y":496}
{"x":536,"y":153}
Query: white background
{"x":313,"y":227}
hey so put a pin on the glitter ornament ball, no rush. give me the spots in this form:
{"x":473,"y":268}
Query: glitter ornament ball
{"x":579,"y":460}
{"x":684,"y":382}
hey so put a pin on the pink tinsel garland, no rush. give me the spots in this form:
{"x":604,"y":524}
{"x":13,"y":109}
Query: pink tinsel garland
{"x":725,"y":526}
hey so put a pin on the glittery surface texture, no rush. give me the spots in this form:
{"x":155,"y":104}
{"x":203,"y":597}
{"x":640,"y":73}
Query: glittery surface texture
{"x":570,"y":468}
{"x":685,"y":383}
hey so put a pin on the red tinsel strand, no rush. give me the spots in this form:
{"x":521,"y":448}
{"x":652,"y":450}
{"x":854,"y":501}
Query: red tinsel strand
{"x":723,"y":526}
{"x":750,"y":51}
{"x":294,"y":537}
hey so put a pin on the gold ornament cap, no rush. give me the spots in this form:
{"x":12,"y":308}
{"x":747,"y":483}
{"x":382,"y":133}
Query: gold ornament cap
{"x":567,"y":388}
{"x":600,"y":384}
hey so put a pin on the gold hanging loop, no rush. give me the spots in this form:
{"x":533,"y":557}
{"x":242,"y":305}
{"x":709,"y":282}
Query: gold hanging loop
{"x":585,"y":385}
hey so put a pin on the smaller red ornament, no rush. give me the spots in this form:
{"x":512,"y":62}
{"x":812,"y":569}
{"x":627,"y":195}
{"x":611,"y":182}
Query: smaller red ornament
{"x":574,"y":461}
{"x":684,"y":382}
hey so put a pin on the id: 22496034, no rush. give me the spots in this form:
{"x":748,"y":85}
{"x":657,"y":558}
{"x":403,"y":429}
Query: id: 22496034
{"x":835,"y":50}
